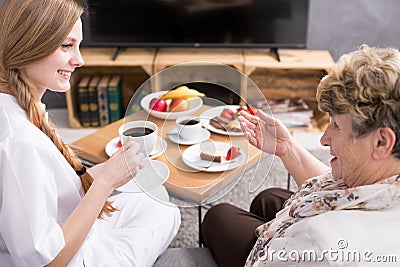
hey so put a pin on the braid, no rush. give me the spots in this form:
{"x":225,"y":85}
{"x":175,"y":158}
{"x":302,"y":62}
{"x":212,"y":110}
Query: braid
{"x":37,"y":116}
{"x":30,"y":35}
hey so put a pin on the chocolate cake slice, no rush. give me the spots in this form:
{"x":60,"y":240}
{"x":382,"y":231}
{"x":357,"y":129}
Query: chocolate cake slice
{"x":211,"y":155}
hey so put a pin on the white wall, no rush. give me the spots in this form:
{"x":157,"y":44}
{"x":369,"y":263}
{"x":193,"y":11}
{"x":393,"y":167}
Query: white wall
{"x":340,"y":26}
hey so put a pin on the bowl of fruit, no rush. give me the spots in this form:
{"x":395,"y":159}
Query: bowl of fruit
{"x":172,"y":104}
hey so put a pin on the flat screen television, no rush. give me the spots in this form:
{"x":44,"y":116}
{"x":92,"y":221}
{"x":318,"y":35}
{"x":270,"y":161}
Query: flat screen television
{"x":197,"y":23}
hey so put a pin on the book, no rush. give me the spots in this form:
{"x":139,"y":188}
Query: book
{"x":294,"y":120}
{"x":114,"y":98}
{"x":287,"y":105}
{"x":83,"y":95}
{"x":102,"y":99}
{"x":93,"y":102}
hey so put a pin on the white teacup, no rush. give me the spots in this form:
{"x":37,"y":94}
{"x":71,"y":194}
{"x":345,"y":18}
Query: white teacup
{"x":143,"y":132}
{"x":189,"y":127}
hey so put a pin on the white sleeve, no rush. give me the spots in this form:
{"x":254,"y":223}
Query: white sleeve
{"x":28,"y":213}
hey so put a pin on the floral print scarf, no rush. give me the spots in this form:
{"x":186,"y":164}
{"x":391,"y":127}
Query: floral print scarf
{"x":321,"y":194}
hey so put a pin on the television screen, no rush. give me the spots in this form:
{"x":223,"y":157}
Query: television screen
{"x":197,"y":23}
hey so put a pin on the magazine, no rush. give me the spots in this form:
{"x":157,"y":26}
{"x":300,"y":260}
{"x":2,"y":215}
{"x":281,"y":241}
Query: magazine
{"x":293,"y":112}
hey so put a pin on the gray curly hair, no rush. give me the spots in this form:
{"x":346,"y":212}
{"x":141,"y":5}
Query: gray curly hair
{"x":365,"y":84}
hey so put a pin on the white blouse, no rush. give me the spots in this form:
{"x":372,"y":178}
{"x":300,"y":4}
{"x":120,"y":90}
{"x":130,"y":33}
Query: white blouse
{"x":39,"y":190}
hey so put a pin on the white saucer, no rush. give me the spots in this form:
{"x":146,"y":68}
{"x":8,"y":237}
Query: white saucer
{"x":160,"y":147}
{"x":153,"y":174}
{"x":191,"y":157}
{"x":175,"y":137}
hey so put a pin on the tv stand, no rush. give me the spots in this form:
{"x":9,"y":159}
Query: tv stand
{"x":295,"y":74}
{"x":275,"y":54}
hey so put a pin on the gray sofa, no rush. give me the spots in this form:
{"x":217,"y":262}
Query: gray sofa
{"x":186,"y":257}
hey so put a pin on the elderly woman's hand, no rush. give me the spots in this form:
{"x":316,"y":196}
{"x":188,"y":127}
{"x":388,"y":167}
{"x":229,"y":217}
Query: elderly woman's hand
{"x":265,"y":132}
{"x":120,"y":168}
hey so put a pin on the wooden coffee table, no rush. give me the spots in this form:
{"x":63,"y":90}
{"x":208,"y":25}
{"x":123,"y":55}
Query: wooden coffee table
{"x":183,"y":182}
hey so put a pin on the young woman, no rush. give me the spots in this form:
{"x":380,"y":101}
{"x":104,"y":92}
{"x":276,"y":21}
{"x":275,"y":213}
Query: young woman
{"x":53,"y":211}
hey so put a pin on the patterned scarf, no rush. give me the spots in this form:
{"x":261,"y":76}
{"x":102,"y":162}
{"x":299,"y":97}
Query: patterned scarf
{"x":321,"y":194}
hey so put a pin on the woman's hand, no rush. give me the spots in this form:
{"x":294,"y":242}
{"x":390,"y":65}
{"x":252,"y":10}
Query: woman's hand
{"x":120,"y":168}
{"x":271,"y":136}
{"x":265,"y":132}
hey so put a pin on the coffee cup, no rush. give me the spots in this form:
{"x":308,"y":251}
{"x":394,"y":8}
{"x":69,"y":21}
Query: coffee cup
{"x":189,"y":127}
{"x":143,"y":132}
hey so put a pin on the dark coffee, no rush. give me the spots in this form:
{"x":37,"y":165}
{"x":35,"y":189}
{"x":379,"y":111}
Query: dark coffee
{"x":138,"y":131}
{"x":189,"y":122}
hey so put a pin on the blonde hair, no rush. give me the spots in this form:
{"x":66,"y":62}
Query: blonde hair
{"x":365,"y":84}
{"x":31,"y":31}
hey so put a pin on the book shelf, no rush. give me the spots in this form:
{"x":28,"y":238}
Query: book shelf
{"x":296,"y":74}
{"x":134,"y":65}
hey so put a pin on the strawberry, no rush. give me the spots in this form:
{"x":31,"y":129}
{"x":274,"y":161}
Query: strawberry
{"x":240,"y":108}
{"x":251,"y":110}
{"x":119,"y":144}
{"x":233,"y":152}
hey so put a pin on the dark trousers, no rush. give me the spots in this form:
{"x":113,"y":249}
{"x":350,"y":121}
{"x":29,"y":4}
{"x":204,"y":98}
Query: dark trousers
{"x":229,"y":232}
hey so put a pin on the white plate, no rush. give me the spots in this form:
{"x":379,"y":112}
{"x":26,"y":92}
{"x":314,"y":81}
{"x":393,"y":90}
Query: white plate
{"x":160,"y":147}
{"x":153,"y":174}
{"x":194,"y":105}
{"x":216,"y":111}
{"x":174,"y":137}
{"x":191,"y":157}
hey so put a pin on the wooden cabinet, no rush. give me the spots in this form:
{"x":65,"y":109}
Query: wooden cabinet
{"x":167,"y":57}
{"x":296,"y":74}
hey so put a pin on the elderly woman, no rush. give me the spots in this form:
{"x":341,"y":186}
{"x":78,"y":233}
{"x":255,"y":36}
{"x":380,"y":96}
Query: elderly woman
{"x":339,"y":215}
